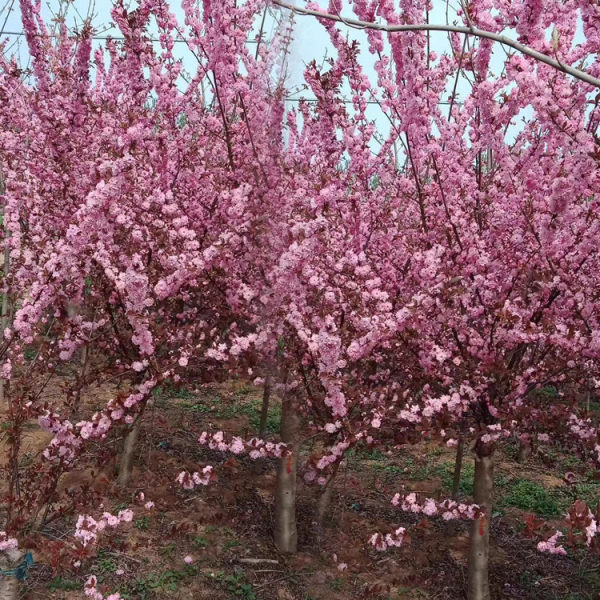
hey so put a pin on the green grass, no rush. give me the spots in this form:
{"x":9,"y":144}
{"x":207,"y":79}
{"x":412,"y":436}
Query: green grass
{"x":165,"y":581}
{"x":361,"y":453}
{"x":273,"y":417}
{"x":590,"y":492}
{"x":143,"y":523}
{"x":66,"y":585}
{"x":336,"y":584}
{"x":243,"y":391}
{"x":548,"y":392}
{"x":390,"y":469}
{"x":252,"y":410}
{"x":162,"y":394}
{"x":29,"y":353}
{"x":169,"y":550}
{"x":241,"y":405}
{"x":197,"y":408}
{"x":201,"y":542}
{"x":229,"y":544}
{"x":236,"y":585}
{"x":531,"y":496}
{"x":467,"y":474}
{"x":105,"y":564}
{"x":529,"y":578}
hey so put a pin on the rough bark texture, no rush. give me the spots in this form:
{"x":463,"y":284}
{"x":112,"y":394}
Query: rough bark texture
{"x":524,"y":451}
{"x":286,"y":535}
{"x":126,"y":462}
{"x":458,"y":467}
{"x":9,"y":586}
{"x":480,"y":530}
{"x":324,"y":504}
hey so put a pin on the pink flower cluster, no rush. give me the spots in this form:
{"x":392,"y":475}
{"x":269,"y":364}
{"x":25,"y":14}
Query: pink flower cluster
{"x":550,"y":545}
{"x":91,"y":590}
{"x":88,"y":528}
{"x":255,"y":448}
{"x":447,"y":509}
{"x":189,"y":481}
{"x":7,"y":543}
{"x":65,"y":444}
{"x":389,"y":540}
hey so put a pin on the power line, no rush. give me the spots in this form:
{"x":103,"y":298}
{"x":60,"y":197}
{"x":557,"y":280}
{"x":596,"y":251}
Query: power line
{"x":184,"y":41}
{"x":346,"y":101}
{"x":105,"y":37}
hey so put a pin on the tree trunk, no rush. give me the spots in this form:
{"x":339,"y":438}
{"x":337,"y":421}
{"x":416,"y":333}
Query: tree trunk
{"x":9,"y":586}
{"x":126,"y":462}
{"x":524,"y":450}
{"x":4,"y":322}
{"x":81,"y":381}
{"x":324,"y":503}
{"x":458,"y":467}
{"x":264,"y":413}
{"x":588,"y":395}
{"x":286,"y":534}
{"x":480,"y":529}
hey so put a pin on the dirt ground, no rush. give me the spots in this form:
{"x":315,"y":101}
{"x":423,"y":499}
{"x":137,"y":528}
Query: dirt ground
{"x":225,"y":524}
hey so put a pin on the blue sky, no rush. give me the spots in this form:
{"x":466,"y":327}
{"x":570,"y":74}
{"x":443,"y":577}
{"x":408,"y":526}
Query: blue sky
{"x":309,"y":40}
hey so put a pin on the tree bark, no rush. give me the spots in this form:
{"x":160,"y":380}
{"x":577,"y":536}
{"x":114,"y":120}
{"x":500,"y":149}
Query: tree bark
{"x":588,"y":396}
{"x":324,"y":503}
{"x":524,"y":449}
{"x":286,"y":534}
{"x":478,"y":584}
{"x":126,"y":462}
{"x":80,"y":381}
{"x":4,"y":322}
{"x":9,"y":586}
{"x":458,"y":467}
{"x":264,"y":413}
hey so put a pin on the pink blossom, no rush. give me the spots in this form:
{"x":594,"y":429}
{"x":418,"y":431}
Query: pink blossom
{"x":550,"y":546}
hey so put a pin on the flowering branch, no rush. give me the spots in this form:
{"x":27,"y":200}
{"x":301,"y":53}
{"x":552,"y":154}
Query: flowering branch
{"x":471,"y":30}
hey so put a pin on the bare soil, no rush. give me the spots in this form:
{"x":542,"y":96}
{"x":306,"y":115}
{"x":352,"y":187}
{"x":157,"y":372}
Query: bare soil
{"x":222,"y":525}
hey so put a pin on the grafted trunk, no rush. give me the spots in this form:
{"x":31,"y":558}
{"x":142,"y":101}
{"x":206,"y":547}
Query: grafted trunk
{"x":9,"y":586}
{"x":286,"y":534}
{"x":126,"y":462}
{"x":458,"y":467}
{"x":524,"y":451}
{"x":479,"y":550}
{"x":264,"y":413}
{"x":324,"y":503}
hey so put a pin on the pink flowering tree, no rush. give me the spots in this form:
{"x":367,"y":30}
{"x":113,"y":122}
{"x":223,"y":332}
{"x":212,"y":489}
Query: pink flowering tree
{"x":115,"y":248}
{"x":488,"y":267}
{"x":425,"y":279}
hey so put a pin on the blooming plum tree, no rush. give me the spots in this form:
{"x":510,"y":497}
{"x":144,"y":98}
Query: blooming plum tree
{"x":425,"y":279}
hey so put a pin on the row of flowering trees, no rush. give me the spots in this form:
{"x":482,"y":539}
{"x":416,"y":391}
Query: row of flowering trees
{"x":394,"y":285}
